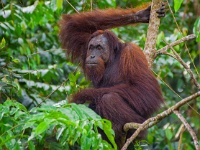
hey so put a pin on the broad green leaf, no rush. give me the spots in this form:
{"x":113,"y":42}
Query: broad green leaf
{"x":17,"y":147}
{"x":89,"y":112}
{"x":60,"y":132}
{"x":37,"y":117}
{"x":42,"y":127}
{"x":196,"y":29}
{"x":72,"y":78}
{"x":169,"y":134}
{"x":160,"y":37}
{"x":76,"y":136}
{"x":68,"y":113}
{"x":85,"y":142}
{"x":22,"y":107}
{"x":13,"y":110}
{"x":46,"y":108}
{"x":59,"y":4}
{"x":31,"y":145}
{"x":107,"y":128}
{"x":29,"y":124}
{"x":96,"y":143}
{"x":3,"y":43}
{"x":65,"y":136}
{"x":76,"y":108}
{"x":177,"y":4}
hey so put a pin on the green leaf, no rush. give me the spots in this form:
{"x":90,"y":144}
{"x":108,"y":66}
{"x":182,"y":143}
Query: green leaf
{"x":29,"y":124}
{"x":59,"y":4}
{"x":3,"y":43}
{"x":107,"y":128}
{"x":169,"y":134}
{"x":85,"y":142}
{"x":177,"y":4}
{"x":160,"y":38}
{"x":196,"y":29}
{"x":60,"y":132}
{"x":13,"y":110}
{"x":31,"y":145}
{"x":46,"y":108}
{"x":17,"y":147}
{"x":72,"y":78}
{"x":20,"y":106}
{"x":89,"y":112}
{"x":76,"y":136}
{"x":16,"y":61}
{"x":76,"y":108}
{"x":56,"y":4}
{"x":37,"y":117}
{"x":42,"y":127}
{"x":65,"y":136}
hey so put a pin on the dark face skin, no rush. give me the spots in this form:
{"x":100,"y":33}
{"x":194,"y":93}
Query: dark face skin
{"x":98,"y":51}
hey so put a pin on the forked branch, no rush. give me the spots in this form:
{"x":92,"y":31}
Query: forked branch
{"x":154,"y":120}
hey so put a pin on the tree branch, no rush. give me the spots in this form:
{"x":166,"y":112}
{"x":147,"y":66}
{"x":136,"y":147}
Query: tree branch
{"x":152,"y":33}
{"x":189,"y":128}
{"x":186,"y":38}
{"x":151,"y":54}
{"x":184,"y":65}
{"x":154,"y":120}
{"x":180,"y":136}
{"x":131,"y":125}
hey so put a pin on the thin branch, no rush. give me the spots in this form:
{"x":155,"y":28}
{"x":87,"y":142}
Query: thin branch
{"x":53,"y":91}
{"x":173,"y":16}
{"x":186,"y":38}
{"x":154,"y":120}
{"x":184,"y":43}
{"x":185,"y":66}
{"x":91,"y":5}
{"x":72,"y":6}
{"x":180,"y":135}
{"x":169,"y":54}
{"x":57,"y":88}
{"x":189,"y":128}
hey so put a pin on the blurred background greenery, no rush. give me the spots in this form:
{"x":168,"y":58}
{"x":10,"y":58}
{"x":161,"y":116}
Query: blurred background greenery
{"x":34,"y":69}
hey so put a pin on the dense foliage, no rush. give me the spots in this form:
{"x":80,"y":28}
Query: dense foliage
{"x":34,"y":71}
{"x":53,"y":127}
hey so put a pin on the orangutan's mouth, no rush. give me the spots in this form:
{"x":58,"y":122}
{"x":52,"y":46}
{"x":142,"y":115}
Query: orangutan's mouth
{"x":91,"y":64}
